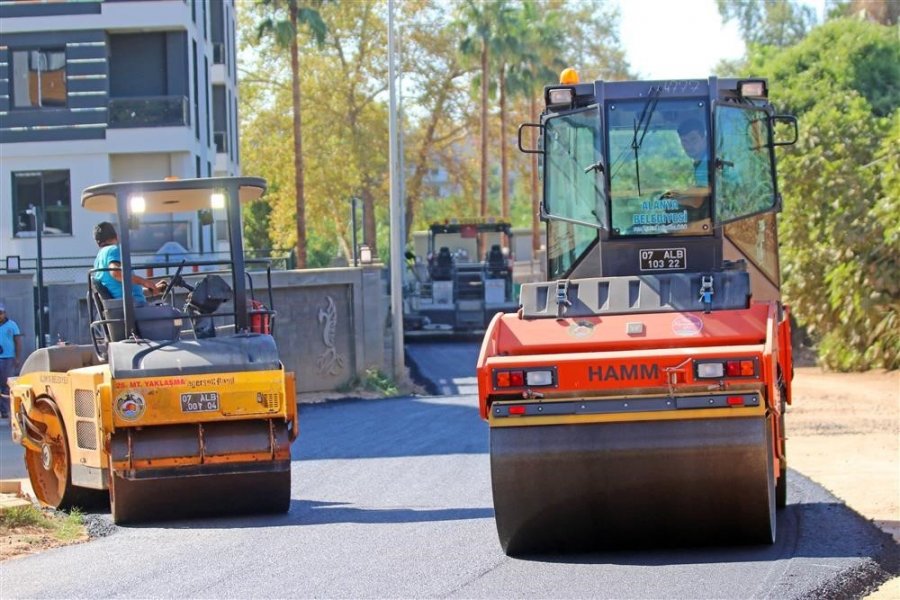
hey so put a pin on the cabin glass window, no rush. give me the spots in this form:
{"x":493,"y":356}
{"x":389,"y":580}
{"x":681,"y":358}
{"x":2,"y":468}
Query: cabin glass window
{"x":745,"y":184}
{"x":659,"y":169}
{"x":573,"y":186}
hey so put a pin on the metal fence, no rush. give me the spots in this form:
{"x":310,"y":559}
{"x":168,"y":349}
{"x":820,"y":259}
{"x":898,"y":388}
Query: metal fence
{"x":74,"y":269}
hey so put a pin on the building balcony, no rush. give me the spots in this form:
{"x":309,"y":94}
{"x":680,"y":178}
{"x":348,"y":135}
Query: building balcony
{"x":150,"y":111}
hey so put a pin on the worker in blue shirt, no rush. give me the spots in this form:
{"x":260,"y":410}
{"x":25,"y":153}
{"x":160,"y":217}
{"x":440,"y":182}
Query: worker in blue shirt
{"x":10,"y":357}
{"x":109,"y":257}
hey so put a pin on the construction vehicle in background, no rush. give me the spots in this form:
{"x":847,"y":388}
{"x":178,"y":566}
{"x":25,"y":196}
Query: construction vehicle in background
{"x":463,"y":279}
{"x":638,"y":397}
{"x":180,"y":406}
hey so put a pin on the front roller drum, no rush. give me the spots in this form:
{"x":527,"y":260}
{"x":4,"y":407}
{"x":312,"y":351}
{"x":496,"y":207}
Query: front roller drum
{"x":563,"y":488}
{"x":48,"y":460}
{"x":200,"y":495}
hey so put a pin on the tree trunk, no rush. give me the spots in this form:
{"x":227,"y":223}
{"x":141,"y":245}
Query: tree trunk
{"x":504,"y":165}
{"x":414,"y":189}
{"x":298,"y":145}
{"x":484,"y":128}
{"x":535,"y":197}
{"x":369,"y":237}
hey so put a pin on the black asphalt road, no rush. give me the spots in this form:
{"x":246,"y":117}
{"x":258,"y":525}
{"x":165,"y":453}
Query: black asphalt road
{"x":391,"y":498}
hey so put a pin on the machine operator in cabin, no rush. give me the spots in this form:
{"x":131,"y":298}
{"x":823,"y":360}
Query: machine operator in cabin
{"x":108,"y":267}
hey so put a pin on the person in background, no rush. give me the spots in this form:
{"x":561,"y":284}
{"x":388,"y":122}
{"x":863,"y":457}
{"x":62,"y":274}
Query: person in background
{"x":109,"y":257}
{"x":693,"y":141}
{"x":10,"y":357}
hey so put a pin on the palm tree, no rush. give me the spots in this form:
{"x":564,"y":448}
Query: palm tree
{"x":285,"y":32}
{"x":537,"y":64}
{"x":476,"y":20}
{"x":506,"y":46}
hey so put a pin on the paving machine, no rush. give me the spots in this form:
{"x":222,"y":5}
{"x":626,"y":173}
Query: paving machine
{"x":180,"y":406}
{"x":638,"y":397}
{"x":464,"y":279}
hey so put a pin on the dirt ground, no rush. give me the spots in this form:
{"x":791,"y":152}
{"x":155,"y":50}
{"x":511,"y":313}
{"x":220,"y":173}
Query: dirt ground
{"x":30,"y":540}
{"x":844,"y":433}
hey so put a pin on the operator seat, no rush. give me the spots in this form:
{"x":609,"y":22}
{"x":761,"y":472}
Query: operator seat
{"x":443,"y":265}
{"x":496,"y":263}
{"x":157,"y":322}
{"x":110,"y":308}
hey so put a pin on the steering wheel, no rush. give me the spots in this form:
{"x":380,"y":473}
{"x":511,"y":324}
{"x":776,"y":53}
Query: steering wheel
{"x":170,"y":285}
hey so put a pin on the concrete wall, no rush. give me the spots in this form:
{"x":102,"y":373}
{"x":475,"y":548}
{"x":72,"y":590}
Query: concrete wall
{"x":330,"y":323}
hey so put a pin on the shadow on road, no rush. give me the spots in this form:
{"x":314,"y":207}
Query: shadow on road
{"x":393,"y":427}
{"x":311,"y":512}
{"x":445,"y":367}
{"x":818,"y":525}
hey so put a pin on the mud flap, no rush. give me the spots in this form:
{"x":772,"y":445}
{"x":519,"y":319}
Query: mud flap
{"x":612,"y":485}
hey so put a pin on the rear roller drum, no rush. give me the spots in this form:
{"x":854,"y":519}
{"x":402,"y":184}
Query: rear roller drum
{"x":133,"y":501}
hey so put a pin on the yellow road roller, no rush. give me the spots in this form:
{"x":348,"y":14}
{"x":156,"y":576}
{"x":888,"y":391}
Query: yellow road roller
{"x":180,"y":405}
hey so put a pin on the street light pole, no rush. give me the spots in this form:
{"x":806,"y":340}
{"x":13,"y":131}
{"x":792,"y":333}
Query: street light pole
{"x":353,"y":225}
{"x":396,"y":209}
{"x":38,"y":229}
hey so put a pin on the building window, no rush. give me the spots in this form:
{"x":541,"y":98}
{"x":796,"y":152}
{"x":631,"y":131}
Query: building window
{"x":50,"y":192}
{"x":39,"y":78}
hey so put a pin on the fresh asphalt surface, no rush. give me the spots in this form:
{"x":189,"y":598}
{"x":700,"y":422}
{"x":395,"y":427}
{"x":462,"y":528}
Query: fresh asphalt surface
{"x":392,"y":498}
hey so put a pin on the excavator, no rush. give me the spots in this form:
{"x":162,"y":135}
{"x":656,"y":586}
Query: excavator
{"x":180,"y":406}
{"x":637,"y":398}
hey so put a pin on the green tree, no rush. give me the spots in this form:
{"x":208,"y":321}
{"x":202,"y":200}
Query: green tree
{"x":506,"y":46}
{"x":782,"y":23}
{"x":478,"y":22}
{"x":285,"y":29}
{"x":432,"y":67}
{"x":537,"y":63}
{"x":841,"y":215}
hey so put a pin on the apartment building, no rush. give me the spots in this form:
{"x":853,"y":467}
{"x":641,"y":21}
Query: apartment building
{"x":93,"y":91}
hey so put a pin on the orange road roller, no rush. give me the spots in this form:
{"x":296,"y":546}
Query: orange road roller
{"x":637,"y":398}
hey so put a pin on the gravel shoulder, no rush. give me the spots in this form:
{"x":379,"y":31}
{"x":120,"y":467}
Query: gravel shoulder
{"x":844,"y":433}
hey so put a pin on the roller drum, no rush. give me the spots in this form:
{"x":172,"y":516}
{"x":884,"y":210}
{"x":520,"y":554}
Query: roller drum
{"x":245,"y":468}
{"x":560,"y":488}
{"x":200,"y":495}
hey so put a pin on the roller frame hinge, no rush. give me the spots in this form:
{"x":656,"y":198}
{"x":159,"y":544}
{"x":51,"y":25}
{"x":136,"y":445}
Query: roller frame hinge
{"x":706,"y":292}
{"x":562,"y":297}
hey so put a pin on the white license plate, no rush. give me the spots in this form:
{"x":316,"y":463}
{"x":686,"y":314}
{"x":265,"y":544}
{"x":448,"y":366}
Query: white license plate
{"x":200,"y":402}
{"x":663,"y":259}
